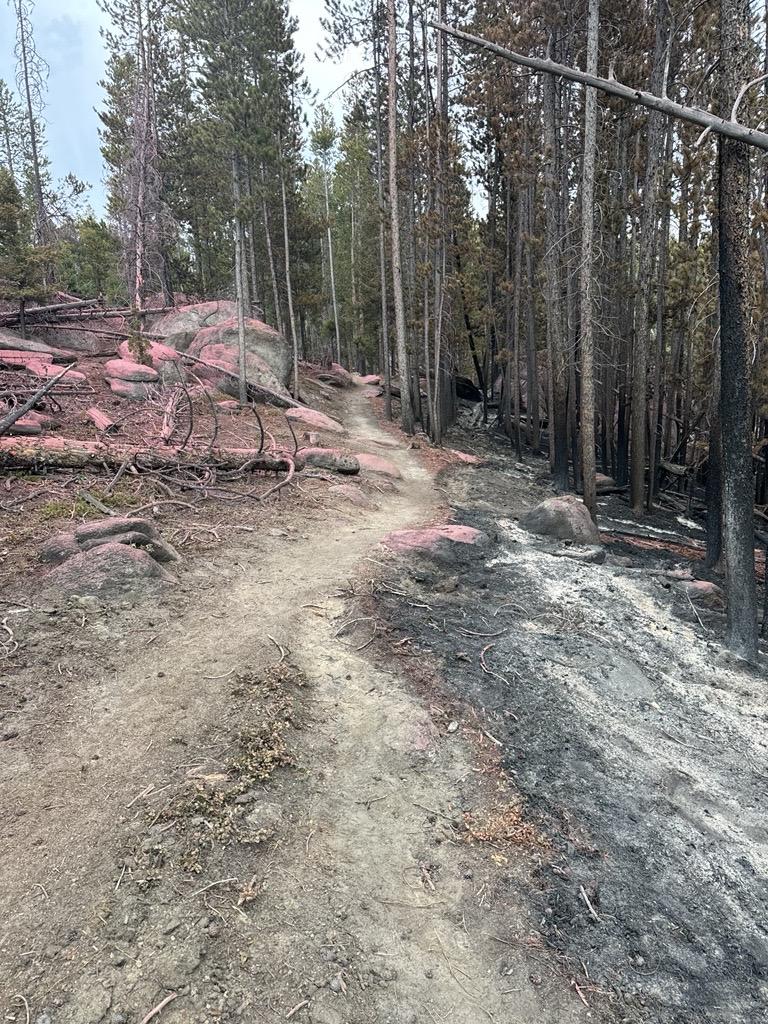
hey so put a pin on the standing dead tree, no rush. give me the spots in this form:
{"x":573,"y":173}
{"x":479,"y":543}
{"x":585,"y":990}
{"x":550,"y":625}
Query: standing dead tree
{"x":733,"y":213}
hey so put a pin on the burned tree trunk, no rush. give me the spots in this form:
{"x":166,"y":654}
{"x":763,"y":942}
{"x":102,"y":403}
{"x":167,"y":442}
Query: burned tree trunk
{"x":735,"y":396}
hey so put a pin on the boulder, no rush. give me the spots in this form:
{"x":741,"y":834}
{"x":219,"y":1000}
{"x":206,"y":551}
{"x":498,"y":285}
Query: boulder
{"x":164,"y":359}
{"x":92,"y":338}
{"x":107,"y":555}
{"x":59,"y":548}
{"x":114,"y":525}
{"x":328,"y":458}
{"x":134,"y":390}
{"x":343,"y":374}
{"x":180,"y":326}
{"x":316,"y":419}
{"x":130,"y":370}
{"x":595,"y":555}
{"x":376,"y":464}
{"x":260,"y":340}
{"x":564,"y":517}
{"x":107,"y":571}
{"x":465,"y":457}
{"x":220,"y":357}
{"x":604,"y":484}
{"x":354,"y":495}
{"x":436,"y":540}
{"x":14,"y":342}
{"x":704,"y":594}
{"x":369,"y":378}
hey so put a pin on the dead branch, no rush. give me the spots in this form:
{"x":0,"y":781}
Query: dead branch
{"x":101,"y":421}
{"x":17,"y":413}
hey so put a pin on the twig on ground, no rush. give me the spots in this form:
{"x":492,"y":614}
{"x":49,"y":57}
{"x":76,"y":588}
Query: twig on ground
{"x":160,"y":1006}
{"x":297,"y":1007}
{"x":592,"y":912}
{"x":21,"y":999}
{"x":211,"y":885}
{"x":283,"y":651}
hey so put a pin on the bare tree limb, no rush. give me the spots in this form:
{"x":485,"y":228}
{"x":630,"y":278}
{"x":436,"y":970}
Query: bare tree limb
{"x":695,"y":115}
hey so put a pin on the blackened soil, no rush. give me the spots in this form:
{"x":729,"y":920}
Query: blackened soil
{"x":640,"y":749}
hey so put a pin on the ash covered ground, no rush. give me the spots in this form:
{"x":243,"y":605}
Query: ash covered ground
{"x":639,"y":748}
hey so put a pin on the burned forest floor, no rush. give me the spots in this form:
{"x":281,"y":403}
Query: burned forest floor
{"x":321,"y":781}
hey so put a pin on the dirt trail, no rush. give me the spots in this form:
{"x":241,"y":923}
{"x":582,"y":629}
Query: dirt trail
{"x":367,"y":906}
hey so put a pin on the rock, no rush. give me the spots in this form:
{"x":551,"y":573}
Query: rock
{"x":604,"y":484}
{"x":376,"y":464}
{"x":565,"y":517}
{"x":128,"y":369}
{"x":50,"y":370}
{"x":435,"y":539}
{"x":108,"y":570}
{"x":370,"y":379}
{"x":313,"y":418}
{"x":265,"y":815}
{"x":594,"y":555}
{"x":130,"y":537}
{"x":343,"y":373}
{"x":261,"y":341}
{"x":221,"y":356}
{"x":180,"y":326}
{"x":329,"y":458}
{"x":704,"y":594}
{"x":114,"y":525}
{"x":136,"y":391}
{"x":312,"y":438}
{"x":465,"y":457}
{"x":354,"y":495}
{"x":161,"y":550}
{"x":164,"y":359}
{"x":16,"y":343}
{"x":59,"y":548}
{"x":620,"y":560}
{"x":228,"y":406}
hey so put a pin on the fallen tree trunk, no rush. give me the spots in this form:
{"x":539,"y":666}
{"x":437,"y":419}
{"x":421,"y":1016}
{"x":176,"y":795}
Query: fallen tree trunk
{"x":14,"y":318}
{"x":68,"y":453}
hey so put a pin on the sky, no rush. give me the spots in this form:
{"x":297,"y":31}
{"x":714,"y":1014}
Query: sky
{"x":70,"y":42}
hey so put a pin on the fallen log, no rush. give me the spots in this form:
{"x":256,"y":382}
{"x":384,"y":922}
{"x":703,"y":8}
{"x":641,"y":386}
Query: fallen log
{"x":17,"y":413}
{"x":69,"y":453}
{"x":101,"y":421}
{"x":32,"y":311}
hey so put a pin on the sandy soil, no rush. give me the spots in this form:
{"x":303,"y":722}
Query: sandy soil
{"x":230,"y":803}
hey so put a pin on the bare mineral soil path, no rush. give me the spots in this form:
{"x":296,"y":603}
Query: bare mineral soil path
{"x":355,"y":900}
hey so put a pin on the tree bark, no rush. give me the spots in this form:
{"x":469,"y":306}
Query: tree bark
{"x":586,"y":272}
{"x":558,"y":413}
{"x":406,"y":408}
{"x":735,"y":391}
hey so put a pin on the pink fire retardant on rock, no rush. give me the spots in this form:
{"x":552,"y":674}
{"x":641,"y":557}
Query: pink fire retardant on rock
{"x":470,"y":460}
{"x":432,"y":538}
{"x":316,"y":419}
{"x":375,"y":464}
{"x":339,"y":370}
{"x":129,"y":369}
{"x":162,"y":358}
